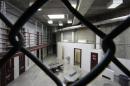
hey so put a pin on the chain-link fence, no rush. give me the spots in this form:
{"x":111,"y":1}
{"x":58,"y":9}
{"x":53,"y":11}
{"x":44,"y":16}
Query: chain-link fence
{"x":107,"y":43}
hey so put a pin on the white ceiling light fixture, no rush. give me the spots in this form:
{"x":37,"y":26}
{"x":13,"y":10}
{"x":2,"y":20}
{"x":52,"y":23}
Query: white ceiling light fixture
{"x":69,"y":21}
{"x":60,"y":24}
{"x":115,"y":3}
{"x":56,"y":16}
{"x":40,"y":9}
{"x":81,"y":41}
{"x":50,"y":22}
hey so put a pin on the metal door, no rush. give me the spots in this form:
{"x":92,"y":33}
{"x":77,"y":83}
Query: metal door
{"x":94,"y":59}
{"x":21,"y":64}
{"x":7,"y":72}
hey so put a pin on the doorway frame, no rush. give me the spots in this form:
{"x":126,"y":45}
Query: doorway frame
{"x":80,"y":55}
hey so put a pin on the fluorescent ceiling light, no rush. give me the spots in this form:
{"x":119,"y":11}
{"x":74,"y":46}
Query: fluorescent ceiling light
{"x":82,"y":41}
{"x":65,"y":40}
{"x":69,"y":21}
{"x":115,"y":3}
{"x":40,"y":9}
{"x":60,"y":24}
{"x":57,"y":16}
{"x":50,"y":22}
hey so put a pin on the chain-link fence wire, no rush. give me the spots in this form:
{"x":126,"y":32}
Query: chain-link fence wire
{"x":107,"y":43}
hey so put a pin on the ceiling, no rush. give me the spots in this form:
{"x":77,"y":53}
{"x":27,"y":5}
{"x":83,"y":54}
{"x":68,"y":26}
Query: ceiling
{"x":97,"y":11}
{"x":51,"y":7}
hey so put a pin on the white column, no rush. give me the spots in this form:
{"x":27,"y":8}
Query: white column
{"x":98,"y":42}
{"x":73,"y":36}
{"x":62,"y":37}
{"x":16,"y":67}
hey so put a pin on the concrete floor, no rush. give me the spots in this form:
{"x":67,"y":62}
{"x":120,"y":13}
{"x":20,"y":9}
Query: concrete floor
{"x":35,"y":77}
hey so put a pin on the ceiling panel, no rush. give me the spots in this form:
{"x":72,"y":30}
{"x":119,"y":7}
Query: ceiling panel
{"x":99,"y":8}
{"x":51,"y":7}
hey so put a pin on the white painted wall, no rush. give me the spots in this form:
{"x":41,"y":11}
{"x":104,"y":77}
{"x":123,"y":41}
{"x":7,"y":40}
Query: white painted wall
{"x":85,"y":34}
{"x":16,"y":67}
{"x":75,"y":36}
{"x":67,"y":36}
{"x":86,"y":52}
{"x":98,"y":42}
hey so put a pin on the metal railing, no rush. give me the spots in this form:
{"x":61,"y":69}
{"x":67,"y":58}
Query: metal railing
{"x":107,"y":44}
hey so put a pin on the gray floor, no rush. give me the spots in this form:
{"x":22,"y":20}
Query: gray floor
{"x":35,"y":77}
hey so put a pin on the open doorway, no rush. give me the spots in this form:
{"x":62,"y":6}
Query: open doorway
{"x":38,"y":42}
{"x":77,"y":57}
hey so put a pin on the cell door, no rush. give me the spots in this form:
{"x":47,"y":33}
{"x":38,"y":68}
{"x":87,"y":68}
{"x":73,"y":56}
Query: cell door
{"x":38,"y":42}
{"x":94,"y":59}
{"x":21,"y":63}
{"x":38,"y":53}
{"x":7,"y":72}
{"x":0,"y":78}
{"x":42,"y":54}
{"x":77,"y":57}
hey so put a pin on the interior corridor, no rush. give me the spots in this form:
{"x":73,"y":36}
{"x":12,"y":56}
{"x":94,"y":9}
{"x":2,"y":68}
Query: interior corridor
{"x":35,"y":77}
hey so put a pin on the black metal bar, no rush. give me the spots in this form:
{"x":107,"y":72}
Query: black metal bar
{"x":96,"y":71}
{"x":42,"y":66}
{"x":82,"y":19}
{"x":5,"y":20}
{"x":122,"y":27}
{"x":108,"y":44}
{"x":23,"y":19}
{"x":121,"y":66}
{"x":28,"y":14}
{"x":8,"y":56}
